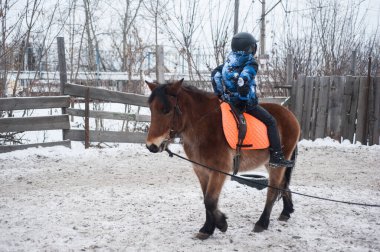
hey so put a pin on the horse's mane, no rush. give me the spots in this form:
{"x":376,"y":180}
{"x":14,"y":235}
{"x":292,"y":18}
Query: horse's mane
{"x":161,"y":92}
{"x":197,"y":93}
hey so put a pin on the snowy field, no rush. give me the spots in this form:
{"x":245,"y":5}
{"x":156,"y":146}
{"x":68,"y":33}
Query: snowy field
{"x":125,"y":198}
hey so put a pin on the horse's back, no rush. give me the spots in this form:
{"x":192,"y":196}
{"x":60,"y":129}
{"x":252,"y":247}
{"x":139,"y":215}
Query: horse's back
{"x":288,"y":126}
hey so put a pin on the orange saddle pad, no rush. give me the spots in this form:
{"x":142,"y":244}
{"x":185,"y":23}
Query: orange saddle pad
{"x":256,"y":135}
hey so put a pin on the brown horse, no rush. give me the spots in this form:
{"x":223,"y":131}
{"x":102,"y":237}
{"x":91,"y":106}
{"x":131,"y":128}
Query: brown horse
{"x":195,"y":115}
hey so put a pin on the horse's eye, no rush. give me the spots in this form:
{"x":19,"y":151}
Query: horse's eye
{"x":166,"y":110}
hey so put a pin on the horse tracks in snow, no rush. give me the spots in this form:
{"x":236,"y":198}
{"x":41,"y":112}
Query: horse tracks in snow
{"x":125,"y":198}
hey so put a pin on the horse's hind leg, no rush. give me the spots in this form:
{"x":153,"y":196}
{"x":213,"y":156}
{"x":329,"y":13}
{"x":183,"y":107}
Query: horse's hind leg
{"x":287,"y":194}
{"x":287,"y":197}
{"x":288,"y":206}
{"x":275,"y":180}
{"x":214,"y":217}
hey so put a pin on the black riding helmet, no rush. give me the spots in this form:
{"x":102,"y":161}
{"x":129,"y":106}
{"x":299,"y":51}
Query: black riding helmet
{"x":244,"y":41}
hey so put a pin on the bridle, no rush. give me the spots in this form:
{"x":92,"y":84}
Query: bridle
{"x":174,"y":127}
{"x":174,"y":132}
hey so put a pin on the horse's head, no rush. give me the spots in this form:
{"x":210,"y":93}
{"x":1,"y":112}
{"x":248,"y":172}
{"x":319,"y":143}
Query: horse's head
{"x":164,"y":114}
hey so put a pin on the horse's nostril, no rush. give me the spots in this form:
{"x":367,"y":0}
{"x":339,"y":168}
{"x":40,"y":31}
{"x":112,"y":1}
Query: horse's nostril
{"x":152,"y":148}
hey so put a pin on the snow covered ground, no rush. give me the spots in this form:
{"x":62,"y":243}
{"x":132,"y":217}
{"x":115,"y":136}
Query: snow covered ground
{"x":125,"y":198}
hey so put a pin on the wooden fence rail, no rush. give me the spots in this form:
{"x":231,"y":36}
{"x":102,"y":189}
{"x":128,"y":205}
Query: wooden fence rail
{"x":20,"y":124}
{"x":105,"y":95}
{"x":14,"y":124}
{"x":19,"y":103}
{"x":107,"y":136}
{"x":109,"y":115}
{"x":341,"y":107}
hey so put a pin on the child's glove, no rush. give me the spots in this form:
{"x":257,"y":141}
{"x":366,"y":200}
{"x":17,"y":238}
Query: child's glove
{"x":243,"y":87}
{"x":241,"y":106}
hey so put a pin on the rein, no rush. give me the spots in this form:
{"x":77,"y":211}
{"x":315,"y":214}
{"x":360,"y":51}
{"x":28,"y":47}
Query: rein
{"x":171,"y":154}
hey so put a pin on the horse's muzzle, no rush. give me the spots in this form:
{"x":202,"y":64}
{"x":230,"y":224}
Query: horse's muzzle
{"x":153,"y":148}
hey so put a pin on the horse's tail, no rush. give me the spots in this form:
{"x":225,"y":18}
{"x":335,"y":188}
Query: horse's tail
{"x":289,"y":170}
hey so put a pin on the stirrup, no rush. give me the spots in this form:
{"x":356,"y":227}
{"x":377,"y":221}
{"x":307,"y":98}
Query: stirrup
{"x":288,"y":164}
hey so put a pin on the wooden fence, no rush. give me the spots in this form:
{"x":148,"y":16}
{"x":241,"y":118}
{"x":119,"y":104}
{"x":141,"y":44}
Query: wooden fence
{"x":62,"y":121}
{"x":91,"y":93}
{"x":21,"y":124}
{"x":341,"y":107}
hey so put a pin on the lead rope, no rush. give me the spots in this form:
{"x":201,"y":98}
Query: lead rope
{"x":171,"y":154}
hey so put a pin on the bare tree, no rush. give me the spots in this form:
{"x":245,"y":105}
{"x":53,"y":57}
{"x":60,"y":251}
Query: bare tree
{"x":72,"y":32}
{"x":220,"y":20}
{"x":90,"y":36}
{"x":335,"y":29}
{"x":182,"y":26}
{"x":126,"y":39}
{"x":31,"y":16}
{"x":5,"y":47}
{"x":156,"y":9}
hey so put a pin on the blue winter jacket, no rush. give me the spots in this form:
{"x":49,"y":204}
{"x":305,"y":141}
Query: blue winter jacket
{"x":238,"y":64}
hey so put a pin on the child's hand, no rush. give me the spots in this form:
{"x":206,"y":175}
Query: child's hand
{"x":241,"y":106}
{"x":243,"y":90}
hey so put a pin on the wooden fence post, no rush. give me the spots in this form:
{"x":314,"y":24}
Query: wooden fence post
{"x":371,"y":112}
{"x":320,"y":127}
{"x":371,"y":104}
{"x":62,"y":63}
{"x":362,"y":125}
{"x":335,"y":108}
{"x":160,"y":68}
{"x":353,"y":63}
{"x":307,"y":107}
{"x":376,"y":110}
{"x":300,"y":99}
{"x":313,"y":125}
{"x":62,"y":73}
{"x":350,"y":105}
{"x":87,"y":119}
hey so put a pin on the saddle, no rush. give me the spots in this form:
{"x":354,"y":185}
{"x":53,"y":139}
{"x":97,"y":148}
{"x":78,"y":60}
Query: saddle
{"x":256,"y":136}
{"x":242,"y":131}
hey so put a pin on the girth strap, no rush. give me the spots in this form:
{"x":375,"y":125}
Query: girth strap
{"x":242,"y":131}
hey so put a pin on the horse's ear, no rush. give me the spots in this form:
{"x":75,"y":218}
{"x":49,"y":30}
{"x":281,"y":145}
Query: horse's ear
{"x":151,"y":85}
{"x":178,"y":84}
{"x":174,"y":89}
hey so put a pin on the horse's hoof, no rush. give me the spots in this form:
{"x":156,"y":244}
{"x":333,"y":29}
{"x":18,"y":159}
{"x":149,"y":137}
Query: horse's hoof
{"x":223,"y":228}
{"x":258,"y":228}
{"x":284,"y":217}
{"x":202,"y":236}
{"x":222,"y":224}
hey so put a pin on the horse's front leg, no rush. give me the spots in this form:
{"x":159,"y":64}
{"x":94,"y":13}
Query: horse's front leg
{"x":275,"y":180}
{"x":214,"y":217}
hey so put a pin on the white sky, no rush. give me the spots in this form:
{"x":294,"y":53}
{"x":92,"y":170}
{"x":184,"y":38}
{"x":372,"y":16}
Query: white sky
{"x":284,"y":15}
{"x":289,"y":12}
